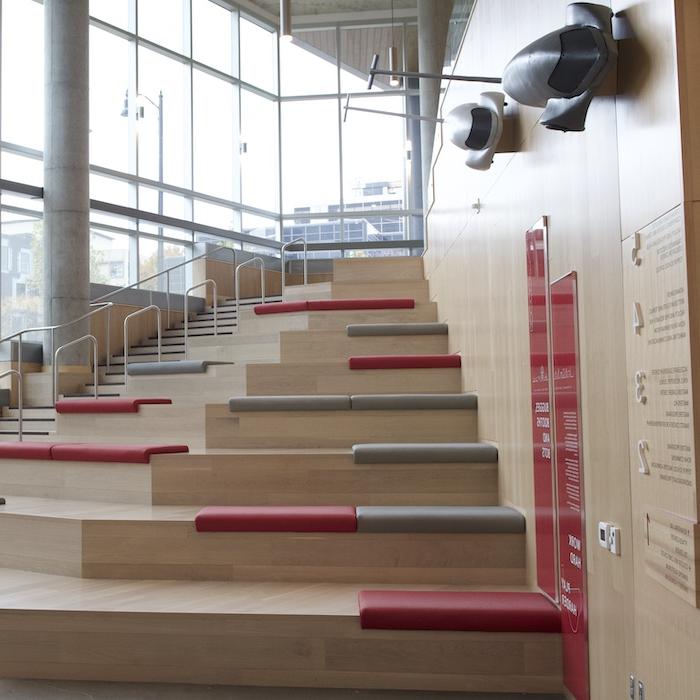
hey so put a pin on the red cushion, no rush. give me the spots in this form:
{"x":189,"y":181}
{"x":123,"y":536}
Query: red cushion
{"x":25,"y":450}
{"x":276,"y":519}
{"x":284,"y":307}
{"x":121,"y":405}
{"x":405,"y":361}
{"x":95,"y":452}
{"x":350,"y":304}
{"x":458,"y":611}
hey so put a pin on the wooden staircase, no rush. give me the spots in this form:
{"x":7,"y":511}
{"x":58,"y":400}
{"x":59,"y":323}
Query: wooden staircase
{"x":103,"y":575}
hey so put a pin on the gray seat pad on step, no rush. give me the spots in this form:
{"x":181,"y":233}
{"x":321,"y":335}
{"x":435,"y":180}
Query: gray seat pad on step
{"x":171,"y":367}
{"x":447,"y":519}
{"x":337,"y":402}
{"x":416,"y":453}
{"x":390,"y":402}
{"x":373,"y":329}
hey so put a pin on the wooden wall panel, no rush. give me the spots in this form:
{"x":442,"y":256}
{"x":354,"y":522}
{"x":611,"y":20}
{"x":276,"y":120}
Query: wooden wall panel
{"x":476,"y":266}
{"x":648,"y":122}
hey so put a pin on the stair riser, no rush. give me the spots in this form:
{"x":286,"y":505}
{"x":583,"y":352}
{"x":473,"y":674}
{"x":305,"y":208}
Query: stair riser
{"x":331,"y":346}
{"x":137,"y":549}
{"x":76,"y":481}
{"x":305,"y":378}
{"x":287,"y":650}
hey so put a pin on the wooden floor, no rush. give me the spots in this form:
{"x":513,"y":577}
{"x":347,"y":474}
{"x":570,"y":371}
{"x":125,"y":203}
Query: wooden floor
{"x":70,"y":690}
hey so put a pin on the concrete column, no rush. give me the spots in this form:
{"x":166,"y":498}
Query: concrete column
{"x":66,"y":172}
{"x":433,"y":23}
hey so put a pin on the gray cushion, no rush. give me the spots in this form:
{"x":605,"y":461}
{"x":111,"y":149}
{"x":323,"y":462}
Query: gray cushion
{"x":390,"y":402}
{"x":289,"y":403}
{"x":456,"y":519}
{"x":171,"y":367}
{"x":365,"y":329}
{"x":416,"y":453}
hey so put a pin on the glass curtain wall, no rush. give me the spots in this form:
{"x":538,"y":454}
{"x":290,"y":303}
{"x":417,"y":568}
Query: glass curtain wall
{"x":201,"y":130}
{"x":347,"y":178}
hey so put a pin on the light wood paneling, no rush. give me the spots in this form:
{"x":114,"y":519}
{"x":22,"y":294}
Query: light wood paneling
{"x":268,"y":634}
{"x":355,"y":270}
{"x":407,"y":289}
{"x":328,"y":346}
{"x":293,"y":378}
{"x":648,"y":120}
{"x":476,"y":266}
{"x":315,"y":477}
{"x":316,"y":429}
{"x":333,"y":320}
{"x":92,"y":481}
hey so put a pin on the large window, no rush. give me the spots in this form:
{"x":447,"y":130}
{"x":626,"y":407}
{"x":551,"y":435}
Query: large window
{"x":335,"y":166}
{"x":184,"y":125}
{"x":204,"y":127}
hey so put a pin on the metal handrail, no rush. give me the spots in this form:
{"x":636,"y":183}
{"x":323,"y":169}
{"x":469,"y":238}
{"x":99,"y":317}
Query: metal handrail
{"x":283,"y":250}
{"x":93,"y":342}
{"x":152,"y":307}
{"x":256,"y":259}
{"x":20,"y":405}
{"x":167,"y":272}
{"x":206,"y":283}
{"x":52,"y":329}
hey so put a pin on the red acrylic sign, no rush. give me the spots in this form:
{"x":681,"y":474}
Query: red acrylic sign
{"x":569,"y":467}
{"x":537,"y":287}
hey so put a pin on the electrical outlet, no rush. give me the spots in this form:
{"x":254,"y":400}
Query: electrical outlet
{"x":614,"y":540}
{"x":604,"y":535}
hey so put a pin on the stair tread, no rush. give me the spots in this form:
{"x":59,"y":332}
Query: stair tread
{"x":25,"y":590}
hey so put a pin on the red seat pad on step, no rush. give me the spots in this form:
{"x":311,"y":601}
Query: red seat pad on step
{"x":276,"y":519}
{"x":353,"y":304}
{"x":121,"y":405}
{"x":25,"y":450}
{"x":405,"y":361}
{"x":284,"y":307}
{"x":96,"y":452}
{"x":458,"y":611}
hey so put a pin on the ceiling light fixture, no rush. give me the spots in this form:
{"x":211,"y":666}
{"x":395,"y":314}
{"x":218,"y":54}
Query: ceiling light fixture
{"x":286,"y":20}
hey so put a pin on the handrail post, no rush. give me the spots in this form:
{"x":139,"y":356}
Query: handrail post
{"x":108,"y":339}
{"x":93,"y":342}
{"x":20,"y":399}
{"x":215,"y":305}
{"x":245,"y":263}
{"x":167,"y":294}
{"x":152,"y":307}
{"x":306,"y":261}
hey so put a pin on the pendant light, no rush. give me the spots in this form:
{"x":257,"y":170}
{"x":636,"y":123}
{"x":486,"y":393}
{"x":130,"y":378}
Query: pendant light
{"x":286,"y":20}
{"x":394,"y":80}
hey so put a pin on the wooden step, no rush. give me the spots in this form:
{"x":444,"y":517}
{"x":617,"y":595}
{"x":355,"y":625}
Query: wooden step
{"x":103,"y":540}
{"x":271,"y":379}
{"x":414,"y":289}
{"x":301,"y":292}
{"x":377,"y":269}
{"x":318,"y":429}
{"x":333,"y":320}
{"x":254,"y":477}
{"x":332,"y":345}
{"x":180,"y":422}
{"x":263,"y":634}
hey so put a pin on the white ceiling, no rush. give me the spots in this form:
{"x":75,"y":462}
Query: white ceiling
{"x":322,"y":7}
